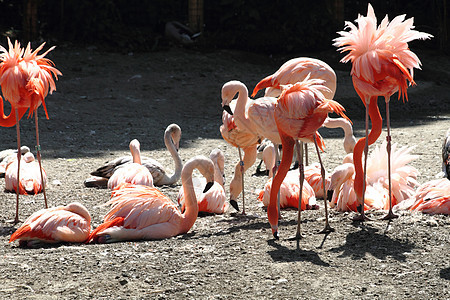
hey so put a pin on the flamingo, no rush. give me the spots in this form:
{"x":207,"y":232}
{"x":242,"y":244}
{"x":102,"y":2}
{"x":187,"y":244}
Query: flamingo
{"x":134,"y":173}
{"x":214,"y":200}
{"x":301,"y":109}
{"x":25,"y":78}
{"x":240,"y":138}
{"x":446,"y":155}
{"x":172,"y":136}
{"x":8,"y":155}
{"x":70,"y":223}
{"x":289,"y":193}
{"x":141,"y":212}
{"x":266,"y":153}
{"x":382,"y":64}
{"x":432,"y":197}
{"x":30,"y":181}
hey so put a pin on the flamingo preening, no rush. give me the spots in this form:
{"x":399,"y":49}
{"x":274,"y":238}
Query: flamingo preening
{"x":30,"y":182}
{"x":26,"y":78}
{"x":382,"y":64}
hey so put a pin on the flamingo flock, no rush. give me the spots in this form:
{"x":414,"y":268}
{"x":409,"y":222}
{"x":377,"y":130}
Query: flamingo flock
{"x":297,"y":102}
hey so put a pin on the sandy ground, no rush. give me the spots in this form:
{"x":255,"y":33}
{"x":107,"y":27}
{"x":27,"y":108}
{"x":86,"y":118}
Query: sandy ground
{"x":106,"y":99}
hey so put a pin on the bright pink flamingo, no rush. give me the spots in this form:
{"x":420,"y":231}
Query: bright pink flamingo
{"x":433,"y":197}
{"x":382,"y":64}
{"x":134,"y":173}
{"x":25,"y":78}
{"x":214,"y":200}
{"x":301,"y":109}
{"x":290,"y":192}
{"x":141,"y":212}
{"x":30,"y":181}
{"x":70,"y":223}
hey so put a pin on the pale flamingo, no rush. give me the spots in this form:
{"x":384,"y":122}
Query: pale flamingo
{"x":30,"y":181}
{"x":172,"y":136}
{"x":382,"y":64}
{"x":433,"y":197}
{"x":70,"y":223}
{"x":8,"y":155}
{"x":446,"y":155}
{"x":141,"y":212}
{"x":214,"y":200}
{"x":134,"y":173}
{"x":301,"y":109}
{"x":26,"y":78}
{"x":240,"y":138}
{"x":289,"y":193}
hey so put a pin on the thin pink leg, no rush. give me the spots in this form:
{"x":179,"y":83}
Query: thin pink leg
{"x":390,"y":214}
{"x":241,"y":162}
{"x":306,"y":154}
{"x":19,"y":158}
{"x":38,"y":155}
{"x":301,"y":167}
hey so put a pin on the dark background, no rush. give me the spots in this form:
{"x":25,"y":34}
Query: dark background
{"x":269,"y":27}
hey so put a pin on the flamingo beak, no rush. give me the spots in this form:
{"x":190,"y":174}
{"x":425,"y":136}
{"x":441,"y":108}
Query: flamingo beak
{"x":275,"y":232}
{"x":330,"y":195}
{"x":234,"y":204}
{"x":227,"y":108}
{"x":208,"y":186}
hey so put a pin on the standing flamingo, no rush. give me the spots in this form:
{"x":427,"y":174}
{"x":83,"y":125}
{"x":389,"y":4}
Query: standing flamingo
{"x":134,"y":173}
{"x":30,"y":181}
{"x":214,"y":200}
{"x":141,"y":212}
{"x":172,"y":136}
{"x":70,"y":223}
{"x":300,"y":110}
{"x":26,"y":78}
{"x":382,"y":64}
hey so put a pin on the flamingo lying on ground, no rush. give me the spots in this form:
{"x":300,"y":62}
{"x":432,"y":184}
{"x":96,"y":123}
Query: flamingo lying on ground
{"x":30,"y":182}
{"x":301,"y":109}
{"x":172,"y":136}
{"x":70,"y":223}
{"x":214,"y":200}
{"x":7,"y":156}
{"x":26,"y":78}
{"x":446,"y":155}
{"x":382,"y":64}
{"x":433,"y":197}
{"x":134,"y":173}
{"x":141,"y":212}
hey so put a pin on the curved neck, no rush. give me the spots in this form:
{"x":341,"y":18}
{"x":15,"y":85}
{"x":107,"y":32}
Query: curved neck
{"x":240,"y":113}
{"x":170,"y":145}
{"x":11,"y":119}
{"x":191,"y":212}
{"x":135,"y":153}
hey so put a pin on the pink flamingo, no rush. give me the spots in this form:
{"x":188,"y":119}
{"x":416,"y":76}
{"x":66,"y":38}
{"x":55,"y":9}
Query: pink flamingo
{"x":30,"y":181}
{"x":289,"y":193}
{"x":214,"y":200}
{"x":172,"y":136}
{"x":70,"y":223}
{"x":382,"y":64}
{"x":432,"y":197}
{"x":134,"y":173}
{"x":25,"y":78}
{"x":141,"y":212}
{"x":301,"y":109}
{"x":8,"y":155}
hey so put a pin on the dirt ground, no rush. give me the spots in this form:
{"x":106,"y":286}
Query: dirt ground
{"x":106,"y":99}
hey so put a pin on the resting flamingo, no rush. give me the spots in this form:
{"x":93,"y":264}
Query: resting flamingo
{"x":214,"y":200}
{"x":141,"y":212}
{"x":432,"y":197}
{"x":134,"y":173}
{"x":70,"y":223}
{"x":172,"y":136}
{"x":382,"y":64}
{"x":446,"y":155}
{"x":300,"y":111}
{"x":238,"y":137}
{"x":8,"y":155}
{"x":26,"y":78}
{"x":30,"y":181}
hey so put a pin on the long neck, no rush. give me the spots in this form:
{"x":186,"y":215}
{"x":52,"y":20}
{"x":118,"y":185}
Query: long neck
{"x":287,"y":143}
{"x":349,"y":138}
{"x":191,"y":211}
{"x":177,"y":159}
{"x":10,"y":120}
{"x":375,"y":132}
{"x":240,"y":114}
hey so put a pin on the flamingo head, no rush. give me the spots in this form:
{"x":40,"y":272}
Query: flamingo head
{"x":275,"y":231}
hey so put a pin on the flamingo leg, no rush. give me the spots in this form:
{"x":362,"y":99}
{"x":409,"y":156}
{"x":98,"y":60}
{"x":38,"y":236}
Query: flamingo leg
{"x":38,"y":155}
{"x":390,"y":214}
{"x":327,"y":228}
{"x":19,"y":158}
{"x":241,"y":162}
{"x":275,"y":168}
{"x":299,"y":149}
{"x":306,"y":154}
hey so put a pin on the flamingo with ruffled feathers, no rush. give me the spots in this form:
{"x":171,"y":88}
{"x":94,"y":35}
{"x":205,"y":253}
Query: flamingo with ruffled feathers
{"x":300,"y":111}
{"x":382,"y":64}
{"x":26,"y":78}
{"x":30,"y":181}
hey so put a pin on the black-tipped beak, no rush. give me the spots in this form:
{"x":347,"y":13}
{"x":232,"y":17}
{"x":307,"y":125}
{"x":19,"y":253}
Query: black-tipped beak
{"x":359,"y":208}
{"x":227,"y":108}
{"x":208,"y":186}
{"x":224,"y":178}
{"x":330,"y":195}
{"x":275,"y":235}
{"x":234,"y":204}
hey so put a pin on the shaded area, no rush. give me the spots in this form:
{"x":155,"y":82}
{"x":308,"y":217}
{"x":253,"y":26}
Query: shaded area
{"x":281,"y":253}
